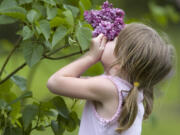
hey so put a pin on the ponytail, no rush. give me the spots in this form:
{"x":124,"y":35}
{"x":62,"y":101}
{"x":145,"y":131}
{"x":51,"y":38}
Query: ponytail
{"x":129,"y":109}
{"x":148,"y":101}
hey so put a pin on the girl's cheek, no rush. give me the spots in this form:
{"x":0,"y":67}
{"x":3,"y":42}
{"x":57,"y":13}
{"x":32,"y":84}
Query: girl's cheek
{"x":106,"y":53}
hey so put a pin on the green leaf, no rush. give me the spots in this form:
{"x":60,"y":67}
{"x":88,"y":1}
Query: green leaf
{"x":48,"y":109}
{"x":8,"y":97}
{"x":6,"y":86}
{"x":48,"y":44}
{"x":27,"y":94}
{"x":59,"y":2}
{"x":59,"y":34}
{"x":14,"y":11}
{"x":45,"y":28}
{"x":71,"y":41}
{"x":57,"y":129}
{"x":74,"y":117}
{"x":3,"y":104}
{"x":51,"y":2}
{"x":73,"y":9}
{"x":60,"y":12}
{"x":86,"y":24}
{"x":13,"y":131}
{"x":51,"y":12}
{"x":26,"y":33}
{"x":37,"y":28}
{"x":159,"y":14}
{"x":85,"y":4}
{"x":6,"y":19}
{"x":32,"y":16}
{"x":69,"y":17}
{"x":8,"y":3}
{"x":21,"y":82}
{"x":21,"y":2}
{"x":50,"y":113}
{"x":29,"y":113}
{"x":61,"y":107}
{"x":40,"y":8}
{"x":7,"y":131}
{"x":57,"y":21}
{"x":32,"y":52}
{"x":41,"y":128}
{"x":72,"y":122}
{"x":84,"y":36}
{"x":69,"y":124}
{"x":172,"y":13}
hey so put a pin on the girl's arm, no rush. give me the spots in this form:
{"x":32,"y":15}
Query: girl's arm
{"x":66,"y":81}
{"x":76,"y":68}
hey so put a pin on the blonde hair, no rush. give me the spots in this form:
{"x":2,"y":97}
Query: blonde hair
{"x":147,"y":59}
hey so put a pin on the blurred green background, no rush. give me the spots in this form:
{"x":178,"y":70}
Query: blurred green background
{"x":163,"y":15}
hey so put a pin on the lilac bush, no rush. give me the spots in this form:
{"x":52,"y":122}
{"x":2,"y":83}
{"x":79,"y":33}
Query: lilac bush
{"x":108,"y":20}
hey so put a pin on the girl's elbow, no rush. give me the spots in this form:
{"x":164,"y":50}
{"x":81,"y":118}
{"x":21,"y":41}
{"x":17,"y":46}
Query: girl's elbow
{"x":50,"y":85}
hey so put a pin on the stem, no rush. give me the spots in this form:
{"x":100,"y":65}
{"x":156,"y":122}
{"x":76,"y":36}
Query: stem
{"x":48,"y":126}
{"x":55,"y":51}
{"x":12,"y":73}
{"x":44,"y":56}
{"x":62,"y":57}
{"x":23,"y":65}
{"x":80,"y":49}
{"x":74,"y":103}
{"x":9,"y":56}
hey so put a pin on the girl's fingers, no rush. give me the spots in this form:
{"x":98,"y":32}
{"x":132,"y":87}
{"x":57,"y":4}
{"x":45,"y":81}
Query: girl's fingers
{"x":103,"y":43}
{"x":101,"y":47}
{"x":100,"y":36}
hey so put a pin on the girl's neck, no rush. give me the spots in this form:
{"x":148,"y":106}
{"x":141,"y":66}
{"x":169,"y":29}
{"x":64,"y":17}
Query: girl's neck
{"x":113,"y":72}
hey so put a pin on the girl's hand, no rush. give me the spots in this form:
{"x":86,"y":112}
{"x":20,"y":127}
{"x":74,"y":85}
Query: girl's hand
{"x":97,"y":47}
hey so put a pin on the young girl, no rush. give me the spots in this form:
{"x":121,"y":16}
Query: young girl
{"x":119,"y":99}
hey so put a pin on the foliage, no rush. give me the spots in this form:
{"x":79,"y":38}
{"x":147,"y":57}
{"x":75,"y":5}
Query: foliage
{"x":43,"y":26}
{"x":163,"y":14}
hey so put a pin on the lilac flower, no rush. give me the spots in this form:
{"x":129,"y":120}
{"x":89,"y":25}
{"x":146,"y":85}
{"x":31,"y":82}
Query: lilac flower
{"x":108,"y":20}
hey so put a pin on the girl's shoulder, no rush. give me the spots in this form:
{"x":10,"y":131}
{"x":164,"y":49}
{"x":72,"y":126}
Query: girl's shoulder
{"x":111,"y":84}
{"x":122,"y":86}
{"x":118,"y":81}
{"x":105,"y":86}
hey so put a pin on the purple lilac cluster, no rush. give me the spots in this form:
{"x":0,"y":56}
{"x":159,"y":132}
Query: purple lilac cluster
{"x":108,"y":20}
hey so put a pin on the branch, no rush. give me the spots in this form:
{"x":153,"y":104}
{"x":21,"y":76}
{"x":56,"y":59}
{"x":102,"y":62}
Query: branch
{"x":9,"y":56}
{"x":12,"y":73}
{"x":44,"y":56}
{"x":74,"y":103}
{"x":62,"y":57}
{"x":23,"y":65}
{"x":55,"y":51}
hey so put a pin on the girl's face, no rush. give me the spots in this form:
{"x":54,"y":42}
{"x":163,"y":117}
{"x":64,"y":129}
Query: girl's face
{"x":108,"y":57}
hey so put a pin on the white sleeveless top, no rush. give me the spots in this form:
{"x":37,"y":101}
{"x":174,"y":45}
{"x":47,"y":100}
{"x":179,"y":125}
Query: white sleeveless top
{"x":93,"y":124}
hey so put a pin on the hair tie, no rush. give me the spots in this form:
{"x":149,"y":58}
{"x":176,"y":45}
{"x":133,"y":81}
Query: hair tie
{"x":136,"y":84}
